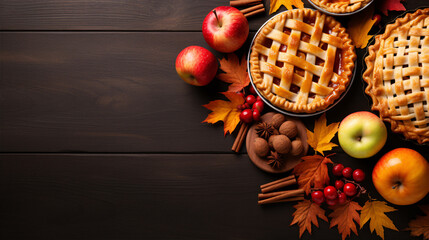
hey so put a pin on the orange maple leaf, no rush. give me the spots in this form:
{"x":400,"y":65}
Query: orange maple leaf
{"x":359,"y":27}
{"x":344,"y":216}
{"x":374,"y":212}
{"x":420,"y":225}
{"x":391,"y":5}
{"x":225,"y":111}
{"x":275,"y":4}
{"x":312,"y":172}
{"x":235,"y":72}
{"x":306,"y":214}
{"x":320,"y":140}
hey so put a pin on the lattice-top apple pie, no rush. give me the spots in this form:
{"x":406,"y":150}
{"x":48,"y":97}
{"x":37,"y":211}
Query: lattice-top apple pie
{"x":398,"y":75}
{"x":302,"y":60}
{"x":341,"y":6}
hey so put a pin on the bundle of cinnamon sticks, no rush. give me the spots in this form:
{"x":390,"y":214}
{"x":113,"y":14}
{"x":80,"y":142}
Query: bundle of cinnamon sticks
{"x":248,"y":7}
{"x":271,"y":195}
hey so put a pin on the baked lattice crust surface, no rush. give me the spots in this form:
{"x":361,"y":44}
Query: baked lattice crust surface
{"x":398,"y":75}
{"x":345,"y":6}
{"x":302,"y":60}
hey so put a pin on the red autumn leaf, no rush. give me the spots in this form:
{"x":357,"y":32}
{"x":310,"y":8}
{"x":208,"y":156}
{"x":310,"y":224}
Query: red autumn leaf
{"x":235,"y":72}
{"x":225,"y":111}
{"x":312,"y":172}
{"x":344,"y":217}
{"x":391,"y":5}
{"x":306,"y":214}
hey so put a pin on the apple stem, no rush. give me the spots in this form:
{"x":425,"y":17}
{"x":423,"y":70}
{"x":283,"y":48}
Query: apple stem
{"x":396,"y":185}
{"x":218,"y":22}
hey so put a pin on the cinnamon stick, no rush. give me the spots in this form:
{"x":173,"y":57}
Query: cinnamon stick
{"x":273,"y":194}
{"x":279,"y":185}
{"x":277,"y":181}
{"x":238,"y":3}
{"x":241,"y":136}
{"x":250,"y":9}
{"x":300,"y":198}
{"x":287,"y":194}
{"x":254,"y":12}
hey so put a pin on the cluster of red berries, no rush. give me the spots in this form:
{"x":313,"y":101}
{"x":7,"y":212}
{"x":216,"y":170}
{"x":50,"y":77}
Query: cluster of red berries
{"x":339,"y":193}
{"x":252,"y":108}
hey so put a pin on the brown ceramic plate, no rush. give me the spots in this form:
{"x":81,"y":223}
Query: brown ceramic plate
{"x":290,"y":161}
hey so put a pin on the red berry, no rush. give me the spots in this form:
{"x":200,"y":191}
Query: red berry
{"x":347,"y":172}
{"x":350,"y":189}
{"x":252,"y":90}
{"x":250,"y":99}
{"x":358,"y":175}
{"x":258,"y":98}
{"x":258,"y":105}
{"x":240,"y":107}
{"x":246,"y":106}
{"x":246,"y":116}
{"x":339,"y":184}
{"x":338,"y":170}
{"x":342,"y":198}
{"x":332,"y":202}
{"x":256,"y":115}
{"x":317,"y":197}
{"x":377,"y":18}
{"x":241,"y":94}
{"x":330,"y":192}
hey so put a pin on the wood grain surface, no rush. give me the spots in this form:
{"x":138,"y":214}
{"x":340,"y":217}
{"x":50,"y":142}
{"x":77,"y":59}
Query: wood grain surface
{"x":155,"y":196}
{"x":100,"y":139}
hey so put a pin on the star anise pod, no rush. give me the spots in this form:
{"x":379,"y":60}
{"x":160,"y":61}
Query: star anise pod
{"x":275,"y":160}
{"x":264,"y":130}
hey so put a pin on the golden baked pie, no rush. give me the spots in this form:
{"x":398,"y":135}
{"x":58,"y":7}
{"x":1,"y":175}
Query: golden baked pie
{"x":302,"y":60}
{"x":398,"y":75}
{"x":341,"y":6}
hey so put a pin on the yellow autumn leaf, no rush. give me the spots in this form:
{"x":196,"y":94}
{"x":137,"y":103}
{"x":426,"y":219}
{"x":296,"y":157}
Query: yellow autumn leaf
{"x":275,"y":4}
{"x":359,"y":27}
{"x":374,"y":211}
{"x":320,"y":140}
{"x":225,"y":111}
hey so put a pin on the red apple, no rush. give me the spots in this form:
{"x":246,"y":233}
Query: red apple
{"x":362,"y":134}
{"x":196,"y":65}
{"x":401,"y":176}
{"x":225,"y":29}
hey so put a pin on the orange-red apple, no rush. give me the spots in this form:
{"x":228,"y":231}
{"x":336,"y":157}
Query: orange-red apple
{"x":401,"y":176}
{"x":225,"y":29}
{"x":196,"y":65}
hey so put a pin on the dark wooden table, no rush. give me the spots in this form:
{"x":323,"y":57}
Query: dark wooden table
{"x":100,"y":139}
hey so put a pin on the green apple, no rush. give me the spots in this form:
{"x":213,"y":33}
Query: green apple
{"x":362,"y":134}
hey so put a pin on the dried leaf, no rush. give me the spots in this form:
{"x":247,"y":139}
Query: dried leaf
{"x":225,"y":111}
{"x":374,"y":211}
{"x":275,"y":4}
{"x":320,"y":140}
{"x":312,"y":172}
{"x":420,"y":225}
{"x":359,"y":27}
{"x":306,"y":214}
{"x":344,"y":216}
{"x":235,"y":72}
{"x":391,"y":5}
